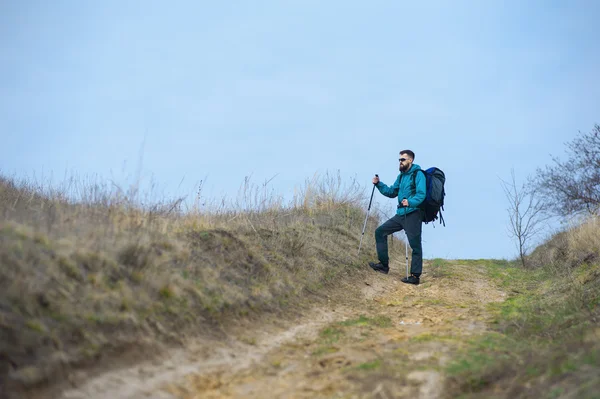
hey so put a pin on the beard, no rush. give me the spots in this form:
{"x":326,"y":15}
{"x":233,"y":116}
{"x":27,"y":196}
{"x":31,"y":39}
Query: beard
{"x":404,"y":168}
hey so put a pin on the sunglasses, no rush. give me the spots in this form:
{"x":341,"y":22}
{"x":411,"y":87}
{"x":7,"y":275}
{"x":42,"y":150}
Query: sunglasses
{"x":402,"y":159}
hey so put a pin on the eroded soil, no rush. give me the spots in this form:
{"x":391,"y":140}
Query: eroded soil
{"x":377,"y":338}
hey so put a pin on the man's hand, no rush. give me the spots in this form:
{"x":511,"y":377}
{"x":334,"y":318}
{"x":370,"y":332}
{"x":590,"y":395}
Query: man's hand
{"x":404,"y":203}
{"x":376,"y":179}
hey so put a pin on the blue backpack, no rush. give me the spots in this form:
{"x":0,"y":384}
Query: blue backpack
{"x":434,"y":199}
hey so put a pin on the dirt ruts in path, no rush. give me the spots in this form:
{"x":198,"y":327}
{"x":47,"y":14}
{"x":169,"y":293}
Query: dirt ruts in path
{"x":373,"y":338}
{"x":245,"y":346}
{"x":390,"y":341}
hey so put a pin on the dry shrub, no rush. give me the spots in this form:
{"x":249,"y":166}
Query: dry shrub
{"x":584,"y":241}
{"x":328,"y":192}
{"x":570,"y":248}
{"x":552,"y":254}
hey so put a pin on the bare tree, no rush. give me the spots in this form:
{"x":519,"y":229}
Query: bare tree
{"x":525,"y":213}
{"x":572,"y":184}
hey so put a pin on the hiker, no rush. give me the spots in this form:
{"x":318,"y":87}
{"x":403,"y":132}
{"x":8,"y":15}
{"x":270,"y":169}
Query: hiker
{"x":410,"y":189}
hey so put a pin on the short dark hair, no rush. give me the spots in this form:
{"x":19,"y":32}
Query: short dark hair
{"x":409,"y":153}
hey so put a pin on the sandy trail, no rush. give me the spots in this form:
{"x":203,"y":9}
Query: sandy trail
{"x":378,"y":339}
{"x":203,"y":356}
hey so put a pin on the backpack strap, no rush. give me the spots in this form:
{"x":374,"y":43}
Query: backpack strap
{"x":414,"y":179}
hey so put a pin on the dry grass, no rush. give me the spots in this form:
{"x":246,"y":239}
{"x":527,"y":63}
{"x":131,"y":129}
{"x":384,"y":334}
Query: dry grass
{"x":584,"y":241}
{"x":570,"y":248}
{"x":89,"y":269}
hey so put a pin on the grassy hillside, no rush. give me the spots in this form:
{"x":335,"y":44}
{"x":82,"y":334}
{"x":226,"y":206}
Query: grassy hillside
{"x":90,"y":277}
{"x":89,"y":273}
{"x":545,"y":341}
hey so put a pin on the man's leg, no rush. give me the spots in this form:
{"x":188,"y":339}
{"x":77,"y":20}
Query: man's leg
{"x":414,"y":225}
{"x":391,"y":226}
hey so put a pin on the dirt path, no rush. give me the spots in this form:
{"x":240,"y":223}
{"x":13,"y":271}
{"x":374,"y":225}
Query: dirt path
{"x":384,"y":340}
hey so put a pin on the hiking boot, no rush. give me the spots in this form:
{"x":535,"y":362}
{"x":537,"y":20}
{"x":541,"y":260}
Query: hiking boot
{"x":411,"y":280}
{"x":379,"y":267}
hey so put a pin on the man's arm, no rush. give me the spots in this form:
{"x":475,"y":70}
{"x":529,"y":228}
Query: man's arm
{"x":391,"y":192}
{"x":420,"y":192}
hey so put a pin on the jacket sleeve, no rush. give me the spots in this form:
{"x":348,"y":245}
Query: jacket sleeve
{"x":391,"y":192}
{"x":420,"y":192}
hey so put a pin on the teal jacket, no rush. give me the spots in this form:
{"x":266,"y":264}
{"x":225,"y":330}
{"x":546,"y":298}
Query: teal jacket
{"x":403,"y":188}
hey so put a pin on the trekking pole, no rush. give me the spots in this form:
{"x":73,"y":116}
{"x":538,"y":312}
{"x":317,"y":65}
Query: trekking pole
{"x":406,"y":243}
{"x":367,"y":217}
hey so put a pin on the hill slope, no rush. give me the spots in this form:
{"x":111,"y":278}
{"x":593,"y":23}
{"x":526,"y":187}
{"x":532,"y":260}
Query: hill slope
{"x":105,"y":298}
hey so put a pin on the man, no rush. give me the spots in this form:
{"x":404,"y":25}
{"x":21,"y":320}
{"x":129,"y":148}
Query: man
{"x":410,"y":190}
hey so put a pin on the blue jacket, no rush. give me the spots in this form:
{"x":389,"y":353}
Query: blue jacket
{"x":404,"y":188}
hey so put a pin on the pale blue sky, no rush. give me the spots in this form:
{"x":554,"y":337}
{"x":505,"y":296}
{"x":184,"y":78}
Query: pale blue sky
{"x":290,"y":88}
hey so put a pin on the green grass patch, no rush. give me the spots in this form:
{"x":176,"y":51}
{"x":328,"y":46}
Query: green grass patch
{"x":378,"y":321}
{"x":484,"y":357}
{"x":438,"y":267}
{"x":434,"y":302}
{"x":429,"y":337}
{"x":36,"y":326}
{"x":166,"y":292}
{"x":336,"y":331}
{"x":542,"y":337}
{"x":368,"y":366}
{"x":438,"y":262}
{"x":381,"y":321}
{"x":325,"y":350}
{"x":360,"y":321}
{"x":331,"y":335}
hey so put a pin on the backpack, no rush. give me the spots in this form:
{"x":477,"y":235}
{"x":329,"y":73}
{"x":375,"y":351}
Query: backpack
{"x":434,"y":198}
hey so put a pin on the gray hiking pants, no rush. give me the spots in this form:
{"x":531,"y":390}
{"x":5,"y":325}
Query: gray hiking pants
{"x":413,"y":227}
